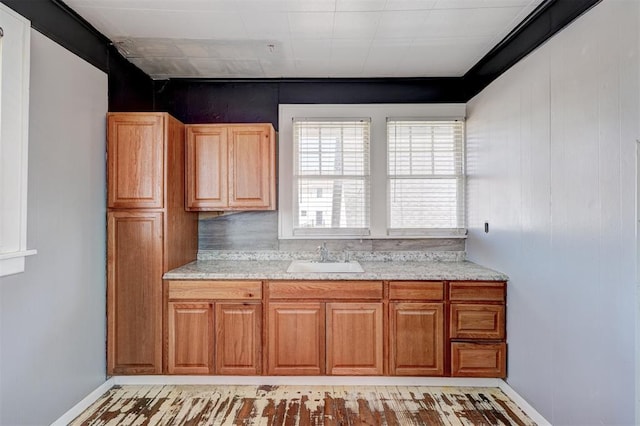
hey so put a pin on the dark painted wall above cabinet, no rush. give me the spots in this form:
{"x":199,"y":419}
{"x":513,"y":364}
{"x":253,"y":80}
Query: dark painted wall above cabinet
{"x":196,"y":101}
{"x":130,"y":89}
{"x":254,"y":101}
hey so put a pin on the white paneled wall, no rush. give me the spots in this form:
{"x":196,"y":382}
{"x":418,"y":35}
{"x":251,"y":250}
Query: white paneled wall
{"x":551,"y":161}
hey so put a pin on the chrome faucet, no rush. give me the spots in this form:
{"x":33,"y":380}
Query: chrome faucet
{"x":324,"y":252}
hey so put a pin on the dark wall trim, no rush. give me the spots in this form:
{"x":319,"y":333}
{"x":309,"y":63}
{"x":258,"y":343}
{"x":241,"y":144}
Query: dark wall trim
{"x":372,"y":90}
{"x":548,"y":18}
{"x":245,"y":100}
{"x":130,"y":89}
{"x":64,"y":26}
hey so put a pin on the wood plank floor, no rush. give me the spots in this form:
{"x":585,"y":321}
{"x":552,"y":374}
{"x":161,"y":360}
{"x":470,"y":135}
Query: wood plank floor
{"x":196,"y":405}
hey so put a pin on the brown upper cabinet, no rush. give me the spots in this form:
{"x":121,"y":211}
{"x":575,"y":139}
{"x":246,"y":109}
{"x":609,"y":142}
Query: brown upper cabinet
{"x":136,"y":158}
{"x":230,"y":167}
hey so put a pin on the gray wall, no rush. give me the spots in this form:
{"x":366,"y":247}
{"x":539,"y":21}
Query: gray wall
{"x":551,"y":153}
{"x":52,"y":317}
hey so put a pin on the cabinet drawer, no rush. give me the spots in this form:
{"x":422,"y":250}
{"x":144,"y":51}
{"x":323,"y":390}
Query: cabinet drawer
{"x":485,"y":291}
{"x":469,"y":321}
{"x":325,"y":290}
{"x":416,"y":290}
{"x":225,"y":290}
{"x":478,"y":359}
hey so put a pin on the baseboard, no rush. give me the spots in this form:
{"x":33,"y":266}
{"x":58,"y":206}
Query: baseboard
{"x":77,"y":409}
{"x":523,"y":404}
{"x":306,"y":380}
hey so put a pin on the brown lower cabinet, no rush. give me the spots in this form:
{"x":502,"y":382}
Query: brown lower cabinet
{"x":416,"y":328}
{"x":399,"y":328}
{"x":416,"y":339}
{"x":325,"y":327}
{"x":325,"y":338}
{"x":238,"y":348}
{"x":296,"y":338}
{"x":478,"y":359}
{"x":355,"y":339}
{"x":134,"y":292}
{"x":477,"y":329}
{"x":214,"y":338}
{"x":212,"y":330}
{"x":190,"y":338}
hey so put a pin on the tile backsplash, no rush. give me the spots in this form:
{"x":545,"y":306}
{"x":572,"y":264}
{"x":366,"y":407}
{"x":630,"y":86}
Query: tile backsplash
{"x":259,"y":231}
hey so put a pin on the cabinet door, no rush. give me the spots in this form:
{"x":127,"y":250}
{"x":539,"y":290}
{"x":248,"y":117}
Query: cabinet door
{"x":354,"y":339}
{"x":251,"y":167}
{"x":135,"y":158}
{"x":296,"y":334}
{"x":416,"y":333}
{"x":206,"y":167}
{"x":134,"y":292}
{"x":239,"y":338}
{"x":190,"y":338}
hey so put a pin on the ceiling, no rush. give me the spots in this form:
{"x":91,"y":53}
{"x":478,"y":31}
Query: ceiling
{"x":304,"y":38}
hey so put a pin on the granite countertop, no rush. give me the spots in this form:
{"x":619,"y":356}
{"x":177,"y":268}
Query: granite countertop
{"x":377,"y":266}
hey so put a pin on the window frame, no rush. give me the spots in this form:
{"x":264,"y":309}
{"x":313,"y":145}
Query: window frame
{"x":365,"y":122}
{"x":378,"y":113}
{"x":14,"y":130}
{"x":459,"y":177}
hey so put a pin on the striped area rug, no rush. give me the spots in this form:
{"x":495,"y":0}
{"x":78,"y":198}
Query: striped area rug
{"x":196,"y":405}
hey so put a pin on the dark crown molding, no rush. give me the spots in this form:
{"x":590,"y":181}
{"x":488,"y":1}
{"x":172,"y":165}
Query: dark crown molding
{"x":547,"y":19}
{"x":63,"y":25}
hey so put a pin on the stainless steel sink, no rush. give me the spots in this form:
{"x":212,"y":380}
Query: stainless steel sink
{"x":324,"y":267}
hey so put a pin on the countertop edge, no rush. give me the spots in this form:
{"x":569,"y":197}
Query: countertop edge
{"x":276,"y":270}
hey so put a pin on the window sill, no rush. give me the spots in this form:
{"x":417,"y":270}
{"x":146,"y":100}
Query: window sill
{"x":13,"y":263}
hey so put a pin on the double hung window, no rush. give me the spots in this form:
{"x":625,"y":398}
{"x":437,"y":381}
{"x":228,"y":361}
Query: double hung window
{"x":374,"y":176}
{"x":425,"y":176}
{"x":331,"y":177}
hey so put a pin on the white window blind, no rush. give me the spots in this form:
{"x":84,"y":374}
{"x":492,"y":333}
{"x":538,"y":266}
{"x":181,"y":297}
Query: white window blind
{"x":425,"y":177}
{"x":331,"y":176}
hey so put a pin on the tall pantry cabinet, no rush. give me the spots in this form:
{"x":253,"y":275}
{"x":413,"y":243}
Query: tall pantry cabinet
{"x":148,"y":233}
